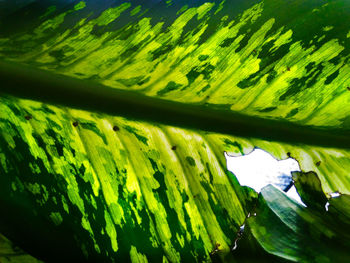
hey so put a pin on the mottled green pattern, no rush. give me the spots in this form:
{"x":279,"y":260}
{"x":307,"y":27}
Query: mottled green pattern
{"x":120,"y":192}
{"x":128,"y":192}
{"x":135,"y":192}
{"x":267,"y":58}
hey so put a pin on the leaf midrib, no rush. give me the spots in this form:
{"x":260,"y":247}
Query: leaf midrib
{"x":26,"y":82}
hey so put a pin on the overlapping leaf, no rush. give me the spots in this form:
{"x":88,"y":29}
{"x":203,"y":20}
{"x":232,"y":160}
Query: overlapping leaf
{"x":300,"y":234}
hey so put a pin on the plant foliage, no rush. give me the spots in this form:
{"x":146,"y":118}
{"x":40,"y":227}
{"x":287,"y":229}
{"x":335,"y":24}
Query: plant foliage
{"x":82,"y":182}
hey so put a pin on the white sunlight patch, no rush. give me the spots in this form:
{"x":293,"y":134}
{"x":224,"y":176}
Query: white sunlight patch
{"x":260,"y":168}
{"x":332,"y":195}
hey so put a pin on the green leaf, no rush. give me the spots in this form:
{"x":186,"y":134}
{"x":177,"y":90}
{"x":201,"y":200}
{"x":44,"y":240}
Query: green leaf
{"x":339,"y":206}
{"x":9,"y":253}
{"x":113,"y":137}
{"x":310,"y":190}
{"x":121,"y":195}
{"x":245,"y":57}
{"x":289,"y":230}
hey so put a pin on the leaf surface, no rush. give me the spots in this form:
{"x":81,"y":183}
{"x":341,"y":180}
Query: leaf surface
{"x":296,"y":233}
{"x":112,"y":188}
{"x":265,"y":58}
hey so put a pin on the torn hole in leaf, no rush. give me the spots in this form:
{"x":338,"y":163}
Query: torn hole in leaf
{"x":331,"y":195}
{"x":259,"y":169}
{"x":335,"y":194}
